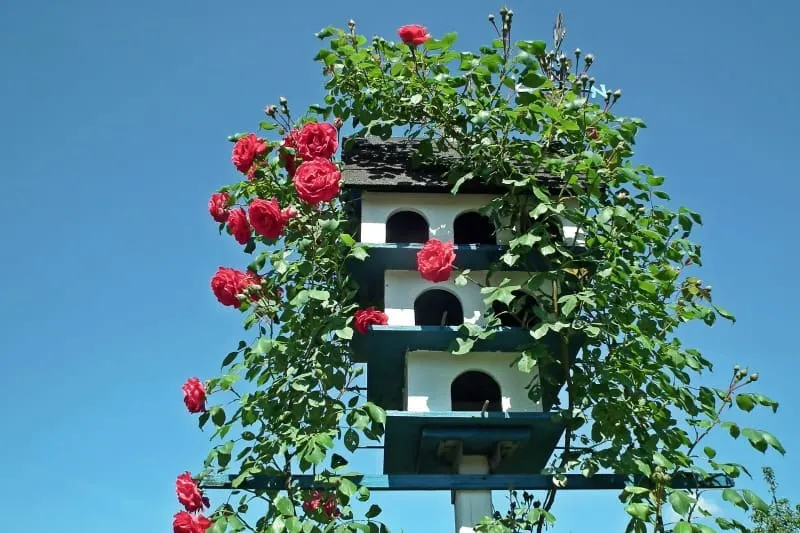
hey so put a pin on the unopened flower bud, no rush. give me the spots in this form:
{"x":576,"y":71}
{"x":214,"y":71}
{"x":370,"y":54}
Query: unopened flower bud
{"x":622,"y":196}
{"x":270,"y":110}
{"x":491,"y":17}
{"x":736,"y":368}
{"x":503,"y":11}
{"x":617,"y":94}
{"x":351,"y":23}
{"x":562,"y":58}
{"x":584,"y":78}
{"x":591,"y":133}
{"x":282,"y":100}
{"x":577,"y":52}
{"x":337,"y":123}
{"x":754,"y":376}
{"x":589,"y":59}
{"x":510,"y":13}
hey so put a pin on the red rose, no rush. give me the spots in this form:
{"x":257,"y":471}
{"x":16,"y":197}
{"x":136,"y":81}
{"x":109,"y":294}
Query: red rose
{"x":317,"y":139}
{"x":239,"y":226}
{"x":246,"y":150}
{"x":435,"y":260}
{"x":289,"y":160}
{"x":194,"y":396}
{"x":267,"y":218}
{"x":228,"y":283}
{"x":218,"y":206}
{"x":189,"y":494}
{"x":366,"y":317}
{"x":190,"y":523}
{"x":330,"y":508}
{"x":413,"y":34}
{"x":313,"y":502}
{"x":317,"y":181}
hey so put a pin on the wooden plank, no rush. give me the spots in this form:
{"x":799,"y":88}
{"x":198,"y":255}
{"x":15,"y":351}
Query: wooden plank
{"x":402,"y":482}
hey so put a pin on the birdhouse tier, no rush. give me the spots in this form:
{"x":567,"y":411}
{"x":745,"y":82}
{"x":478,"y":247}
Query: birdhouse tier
{"x":412,"y":368}
{"x":434,"y":442}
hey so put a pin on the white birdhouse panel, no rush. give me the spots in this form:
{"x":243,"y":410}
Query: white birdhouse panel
{"x":430,"y":376}
{"x":402,"y":288}
{"x":438,"y":209}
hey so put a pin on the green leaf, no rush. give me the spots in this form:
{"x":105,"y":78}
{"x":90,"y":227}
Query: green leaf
{"x":284,"y":506}
{"x":219,"y":526}
{"x":359,"y":252}
{"x":347,"y":239}
{"x":347,"y":487}
{"x":375,"y":413}
{"x":373,"y":511}
{"x":770,"y":439}
{"x":733,"y":429}
{"x":730,"y":495}
{"x":710,"y":452}
{"x":754,"y":501}
{"x":415,"y":99}
{"x":756,"y":439}
{"x":345,"y":333}
{"x":662,"y":461}
{"x":745,"y":402}
{"x":322,"y":296}
{"x":462,"y":346}
{"x":682,"y":527}
{"x":680,"y":502}
{"x":217,"y":415}
{"x":724,"y":313}
{"x":638,"y":510}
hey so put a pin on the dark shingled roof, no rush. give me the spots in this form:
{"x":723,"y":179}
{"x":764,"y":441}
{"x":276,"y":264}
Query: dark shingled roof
{"x":372,"y":164}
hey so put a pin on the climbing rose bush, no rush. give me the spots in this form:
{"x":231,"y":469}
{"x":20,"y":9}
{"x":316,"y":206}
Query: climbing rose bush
{"x":435,"y":260}
{"x":609,"y":300}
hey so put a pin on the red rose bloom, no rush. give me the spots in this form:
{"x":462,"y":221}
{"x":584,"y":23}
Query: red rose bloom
{"x":194,"y":396}
{"x":239,"y":226}
{"x":366,"y":317}
{"x":189,"y":494}
{"x":313,"y":502}
{"x":317,"y":139}
{"x":289,"y":160}
{"x":228,"y":283}
{"x":435,"y":260}
{"x":317,"y":181}
{"x":413,"y":34}
{"x":218,"y":206}
{"x":267,"y":218}
{"x":330,"y":507}
{"x":246,"y":150}
{"x":190,"y":523}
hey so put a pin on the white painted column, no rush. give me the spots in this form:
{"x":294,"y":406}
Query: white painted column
{"x":472,"y":505}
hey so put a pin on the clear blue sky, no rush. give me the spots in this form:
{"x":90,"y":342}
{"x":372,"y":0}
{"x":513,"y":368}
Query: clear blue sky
{"x":113,"y":124}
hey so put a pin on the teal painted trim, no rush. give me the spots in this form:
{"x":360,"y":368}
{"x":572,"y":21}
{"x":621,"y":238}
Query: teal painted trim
{"x":470,"y":482}
{"x":384,"y":350}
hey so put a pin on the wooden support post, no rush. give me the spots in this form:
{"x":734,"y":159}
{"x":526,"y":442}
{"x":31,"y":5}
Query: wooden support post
{"x":472,"y":505}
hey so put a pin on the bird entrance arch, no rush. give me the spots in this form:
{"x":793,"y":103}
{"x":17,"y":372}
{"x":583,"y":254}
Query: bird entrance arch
{"x":406,"y":227}
{"x":437,"y":307}
{"x":521,"y":312}
{"x":473,"y":228}
{"x":475,"y":391}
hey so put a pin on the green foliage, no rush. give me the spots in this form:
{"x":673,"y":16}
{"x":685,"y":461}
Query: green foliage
{"x":504,"y":115}
{"x":779,"y":516}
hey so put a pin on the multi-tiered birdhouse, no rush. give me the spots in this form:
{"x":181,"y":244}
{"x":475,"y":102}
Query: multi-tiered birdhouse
{"x":473,"y":413}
